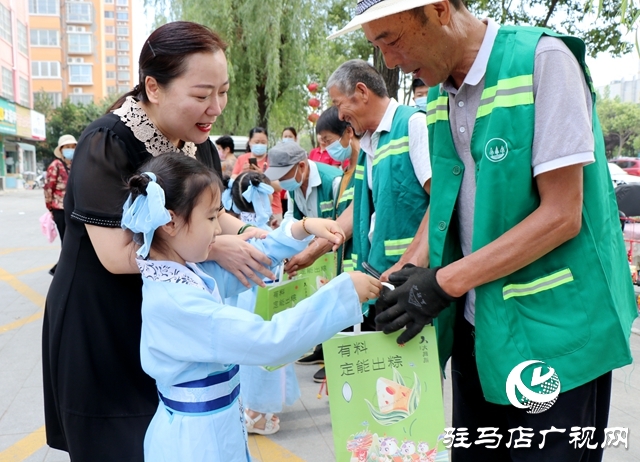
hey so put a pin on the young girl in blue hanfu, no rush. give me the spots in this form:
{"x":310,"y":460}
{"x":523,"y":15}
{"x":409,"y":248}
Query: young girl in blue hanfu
{"x":191,"y":343}
{"x":263,"y":392}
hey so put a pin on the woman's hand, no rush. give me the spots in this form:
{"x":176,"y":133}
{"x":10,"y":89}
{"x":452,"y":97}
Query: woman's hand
{"x":366,"y":286}
{"x":321,"y":228}
{"x":241,"y":259}
{"x":254,"y":232}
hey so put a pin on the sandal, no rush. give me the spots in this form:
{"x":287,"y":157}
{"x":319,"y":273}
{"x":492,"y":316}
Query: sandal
{"x":271,"y":426}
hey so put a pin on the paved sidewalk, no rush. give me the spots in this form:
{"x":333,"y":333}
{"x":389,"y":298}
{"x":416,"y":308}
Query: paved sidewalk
{"x":305,"y":435}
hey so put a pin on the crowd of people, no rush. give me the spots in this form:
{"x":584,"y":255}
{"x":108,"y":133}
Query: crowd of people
{"x":486,"y":205}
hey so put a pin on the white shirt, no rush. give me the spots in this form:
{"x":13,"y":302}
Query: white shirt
{"x":308,"y":203}
{"x":418,"y":142}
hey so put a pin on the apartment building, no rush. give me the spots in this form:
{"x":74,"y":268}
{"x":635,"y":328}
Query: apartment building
{"x":81,"y":50}
{"x":20,"y":125}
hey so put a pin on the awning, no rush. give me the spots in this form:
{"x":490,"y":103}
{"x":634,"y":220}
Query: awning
{"x":27,"y":147}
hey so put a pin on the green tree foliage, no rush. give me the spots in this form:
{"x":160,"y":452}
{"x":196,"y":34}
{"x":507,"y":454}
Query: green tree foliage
{"x":67,"y":119}
{"x":620,"y":126}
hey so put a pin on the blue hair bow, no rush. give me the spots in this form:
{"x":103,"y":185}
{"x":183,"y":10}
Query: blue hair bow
{"x":227,"y":200}
{"x":258,"y":196}
{"x":146,"y":214}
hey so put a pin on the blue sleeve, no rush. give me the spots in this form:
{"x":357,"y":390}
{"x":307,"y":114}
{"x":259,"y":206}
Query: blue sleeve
{"x":186,"y":325}
{"x":278,"y":245}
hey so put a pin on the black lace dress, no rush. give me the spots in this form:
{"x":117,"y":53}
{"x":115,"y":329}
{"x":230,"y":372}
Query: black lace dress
{"x":98,"y":401}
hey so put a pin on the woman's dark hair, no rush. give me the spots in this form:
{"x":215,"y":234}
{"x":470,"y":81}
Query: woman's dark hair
{"x":240,"y":185}
{"x":182,"y":178}
{"x":292,"y":130}
{"x":252,"y":132}
{"x":330,"y":121}
{"x":165,"y":53}
{"x":226,"y":142}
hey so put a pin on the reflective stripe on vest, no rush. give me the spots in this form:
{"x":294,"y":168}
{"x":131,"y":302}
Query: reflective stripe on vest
{"x":347,"y":195}
{"x":396,"y":246}
{"x":326,"y":206}
{"x":438,"y":109}
{"x":515,"y":91}
{"x":545,"y":283}
{"x":397,"y":146}
{"x":347,"y":265}
{"x":359,"y":174}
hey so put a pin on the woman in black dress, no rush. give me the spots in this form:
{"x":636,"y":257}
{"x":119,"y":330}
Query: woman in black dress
{"x":98,"y":401}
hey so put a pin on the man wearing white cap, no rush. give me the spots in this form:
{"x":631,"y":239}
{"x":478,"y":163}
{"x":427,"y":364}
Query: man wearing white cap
{"x":528,"y":285}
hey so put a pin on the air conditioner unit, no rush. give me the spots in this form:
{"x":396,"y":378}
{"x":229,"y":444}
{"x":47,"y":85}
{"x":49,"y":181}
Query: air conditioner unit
{"x":77,"y":90}
{"x":75,"y":60}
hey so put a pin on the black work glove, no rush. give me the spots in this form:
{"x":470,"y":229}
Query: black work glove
{"x":417,"y":299}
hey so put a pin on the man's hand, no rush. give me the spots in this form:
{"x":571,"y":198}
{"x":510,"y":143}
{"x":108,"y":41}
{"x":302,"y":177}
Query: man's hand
{"x":417,"y":299}
{"x":304,"y":259}
{"x":242,"y":259}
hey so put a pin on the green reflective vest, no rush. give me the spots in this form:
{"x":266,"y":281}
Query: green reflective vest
{"x":396,"y":195}
{"x":326,"y":201}
{"x":573,"y":308}
{"x":343,"y":201}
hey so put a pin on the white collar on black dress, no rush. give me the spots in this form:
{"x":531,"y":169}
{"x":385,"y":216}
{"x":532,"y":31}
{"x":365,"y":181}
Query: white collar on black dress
{"x":134,"y":117}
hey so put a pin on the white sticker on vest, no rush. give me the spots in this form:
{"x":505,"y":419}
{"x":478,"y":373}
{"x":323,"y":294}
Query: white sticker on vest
{"x":496,"y":149}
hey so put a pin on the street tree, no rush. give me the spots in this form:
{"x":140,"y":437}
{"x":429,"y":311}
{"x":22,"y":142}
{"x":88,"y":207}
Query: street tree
{"x":620,"y":125}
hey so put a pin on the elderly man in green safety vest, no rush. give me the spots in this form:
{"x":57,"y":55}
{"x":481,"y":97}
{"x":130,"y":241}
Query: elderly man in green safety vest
{"x":388,"y":217}
{"x":529,"y":285}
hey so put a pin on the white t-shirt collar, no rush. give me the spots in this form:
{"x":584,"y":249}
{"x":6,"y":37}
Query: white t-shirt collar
{"x":384,"y":126}
{"x":479,"y":66}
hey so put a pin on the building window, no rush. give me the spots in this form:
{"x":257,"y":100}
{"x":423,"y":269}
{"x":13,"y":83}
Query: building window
{"x":81,"y":99}
{"x":7,"y":83}
{"x":108,"y":15}
{"x":23,"y":97}
{"x":110,"y":60}
{"x":122,"y":2}
{"x":123,"y":88}
{"x":123,"y":61}
{"x":122,"y":45}
{"x":109,"y":30}
{"x":80,"y":74}
{"x":5,"y":23}
{"x":122,"y":31}
{"x":79,"y":43}
{"x":109,"y":44}
{"x":22,"y":38}
{"x":124,"y":75}
{"x":111,"y":74}
{"x":55,"y":97}
{"x":44,"y":38}
{"x":108,"y":1}
{"x":78,"y":12}
{"x":49,"y":7}
{"x":111,"y":90}
{"x":45,"y":69}
{"x":122,"y":16}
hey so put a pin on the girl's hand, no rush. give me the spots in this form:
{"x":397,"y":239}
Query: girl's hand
{"x":366,"y":286}
{"x":320,"y":227}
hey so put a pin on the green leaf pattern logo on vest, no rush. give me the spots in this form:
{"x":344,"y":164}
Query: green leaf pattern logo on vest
{"x":496,"y":149}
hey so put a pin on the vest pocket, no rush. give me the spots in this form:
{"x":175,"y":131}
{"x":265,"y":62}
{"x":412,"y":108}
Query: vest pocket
{"x":546,"y":316}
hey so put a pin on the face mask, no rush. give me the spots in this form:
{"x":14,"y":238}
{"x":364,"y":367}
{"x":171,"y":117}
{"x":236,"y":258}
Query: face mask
{"x":338,"y":152}
{"x":291,"y":184}
{"x":287,"y":140}
{"x":259,"y":149}
{"x":421,"y":103}
{"x":68,"y":153}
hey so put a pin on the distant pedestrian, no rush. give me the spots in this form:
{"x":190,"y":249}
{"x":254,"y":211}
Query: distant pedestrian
{"x":289,"y":134}
{"x":55,"y":184}
{"x":226,"y":148}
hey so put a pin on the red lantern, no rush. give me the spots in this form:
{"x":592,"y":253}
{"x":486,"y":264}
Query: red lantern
{"x":314,"y":102}
{"x":313,"y":117}
{"x":312,"y":87}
